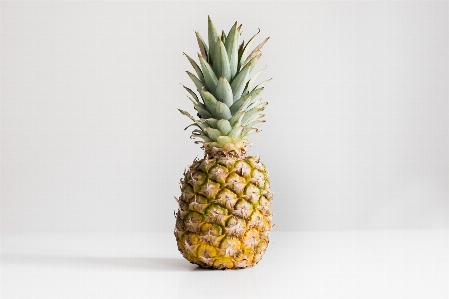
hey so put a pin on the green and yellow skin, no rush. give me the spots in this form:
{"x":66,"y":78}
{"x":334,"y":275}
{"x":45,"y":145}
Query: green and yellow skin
{"x":224,"y":218}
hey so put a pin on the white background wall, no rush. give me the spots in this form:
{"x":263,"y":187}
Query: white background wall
{"x":358,"y":122}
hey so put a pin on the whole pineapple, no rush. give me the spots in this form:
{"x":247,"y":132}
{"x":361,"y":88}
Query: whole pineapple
{"x":224,"y":217}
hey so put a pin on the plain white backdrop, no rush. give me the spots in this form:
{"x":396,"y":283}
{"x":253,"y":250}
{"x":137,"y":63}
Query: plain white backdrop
{"x":357,"y":131}
{"x":93,"y":147}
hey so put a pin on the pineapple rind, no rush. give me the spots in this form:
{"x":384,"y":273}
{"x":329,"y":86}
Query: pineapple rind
{"x":224,"y":218}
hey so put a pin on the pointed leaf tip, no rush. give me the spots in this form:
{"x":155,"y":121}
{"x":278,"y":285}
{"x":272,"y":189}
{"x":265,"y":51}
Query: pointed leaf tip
{"x":232,"y":49}
{"x":202,"y":45}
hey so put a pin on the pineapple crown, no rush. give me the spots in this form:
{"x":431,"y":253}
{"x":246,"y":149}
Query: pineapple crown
{"x":229,"y":109}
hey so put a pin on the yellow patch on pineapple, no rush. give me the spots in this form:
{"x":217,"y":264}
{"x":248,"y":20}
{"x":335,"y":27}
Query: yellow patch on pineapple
{"x":244,"y":259}
{"x":230,"y":246}
{"x":256,"y":220}
{"x":257,"y":258}
{"x":223,"y":263}
{"x":211,"y":233}
{"x":206,"y":254}
{"x":251,"y":238}
{"x":261,"y":247}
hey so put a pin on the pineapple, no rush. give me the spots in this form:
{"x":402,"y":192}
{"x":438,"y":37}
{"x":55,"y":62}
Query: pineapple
{"x":224,"y":218}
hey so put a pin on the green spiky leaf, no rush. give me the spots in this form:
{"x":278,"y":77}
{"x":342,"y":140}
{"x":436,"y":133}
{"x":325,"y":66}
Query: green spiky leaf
{"x":222,"y":140}
{"x":222,"y":111}
{"x":232,"y":48}
{"x":256,"y":51}
{"x":254,"y":62}
{"x":243,"y":53}
{"x":236,"y":119}
{"x":204,"y":49}
{"x":250,"y":84}
{"x":212,"y":122}
{"x":200,"y":123}
{"x":194,"y":124}
{"x":241,"y":104}
{"x":221,"y":61}
{"x":199,"y":107}
{"x":203,"y":112}
{"x":224,"y":126}
{"x":212,"y":36}
{"x":236,"y":131}
{"x":210,"y":101}
{"x":224,"y":91}
{"x":254,"y":104}
{"x":250,"y":114}
{"x":252,"y":96}
{"x":183,"y":112}
{"x":195,"y":80}
{"x":258,"y":104}
{"x":248,"y":131}
{"x":212,"y":133}
{"x":209,"y":76}
{"x":195,"y":67}
{"x":239,"y":82}
{"x":203,"y":137}
{"x":255,"y":122}
{"x":223,"y":36}
{"x":261,"y":85}
{"x":192,"y":93}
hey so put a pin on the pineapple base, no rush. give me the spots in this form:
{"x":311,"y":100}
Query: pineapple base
{"x":224,"y":217}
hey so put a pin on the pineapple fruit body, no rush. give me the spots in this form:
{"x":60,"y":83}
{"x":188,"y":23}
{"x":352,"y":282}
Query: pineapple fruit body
{"x":224,"y":217}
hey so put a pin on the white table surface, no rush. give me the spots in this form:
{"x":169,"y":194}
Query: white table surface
{"x":312,"y":264}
